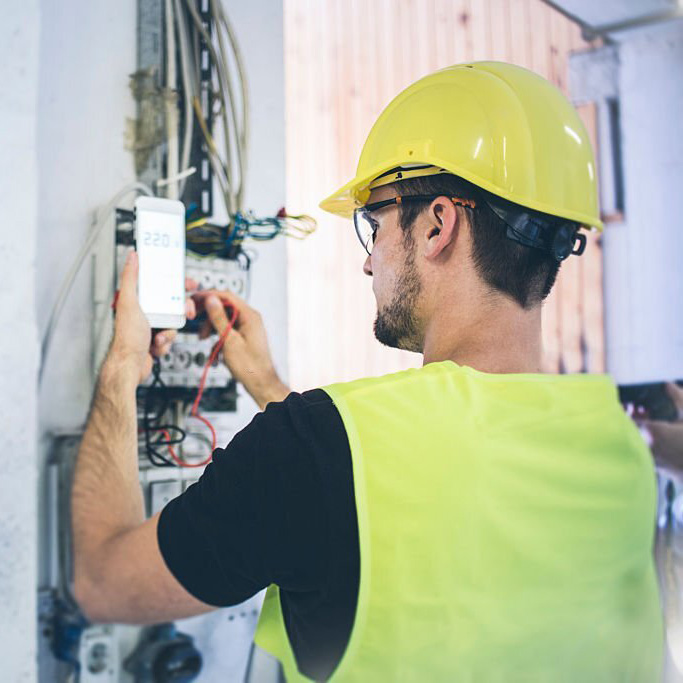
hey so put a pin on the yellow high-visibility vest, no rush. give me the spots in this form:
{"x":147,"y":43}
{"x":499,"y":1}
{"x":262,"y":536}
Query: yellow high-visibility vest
{"x":506,"y":525}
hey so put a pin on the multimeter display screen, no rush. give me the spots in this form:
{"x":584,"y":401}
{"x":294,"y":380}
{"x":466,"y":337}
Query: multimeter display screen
{"x":161,"y":252}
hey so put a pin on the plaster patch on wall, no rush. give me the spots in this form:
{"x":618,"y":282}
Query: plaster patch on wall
{"x":19,"y":36}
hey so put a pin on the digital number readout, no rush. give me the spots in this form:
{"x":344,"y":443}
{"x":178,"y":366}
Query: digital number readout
{"x":158,"y":239}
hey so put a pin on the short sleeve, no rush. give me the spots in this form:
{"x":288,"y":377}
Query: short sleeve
{"x":256,"y":516}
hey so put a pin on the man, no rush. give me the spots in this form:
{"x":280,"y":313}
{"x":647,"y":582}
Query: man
{"x":472,"y":520}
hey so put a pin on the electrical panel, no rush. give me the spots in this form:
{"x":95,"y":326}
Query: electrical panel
{"x":188,"y":405}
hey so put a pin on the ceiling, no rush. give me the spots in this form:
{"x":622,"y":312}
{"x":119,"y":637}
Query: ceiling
{"x":614,"y":15}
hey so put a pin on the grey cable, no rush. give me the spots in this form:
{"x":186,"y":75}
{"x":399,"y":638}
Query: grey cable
{"x":244,"y":90}
{"x":229,"y":194}
{"x":98,"y":224}
{"x":232,"y":135}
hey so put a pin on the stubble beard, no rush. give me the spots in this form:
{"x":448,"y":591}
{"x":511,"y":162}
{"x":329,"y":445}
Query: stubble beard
{"x":396,"y":324}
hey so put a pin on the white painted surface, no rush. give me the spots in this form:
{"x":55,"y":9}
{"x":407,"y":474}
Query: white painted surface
{"x":613,"y":11}
{"x":643,"y":273}
{"x":642,"y":268}
{"x":19,"y":36}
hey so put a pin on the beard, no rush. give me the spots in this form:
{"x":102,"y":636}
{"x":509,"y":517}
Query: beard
{"x":396,"y":324}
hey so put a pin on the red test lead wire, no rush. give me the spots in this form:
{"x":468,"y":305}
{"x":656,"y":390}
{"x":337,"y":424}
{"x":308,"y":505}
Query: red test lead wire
{"x":194,"y":412}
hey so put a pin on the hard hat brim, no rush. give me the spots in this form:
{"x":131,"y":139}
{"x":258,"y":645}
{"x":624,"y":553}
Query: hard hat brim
{"x":356,"y":192}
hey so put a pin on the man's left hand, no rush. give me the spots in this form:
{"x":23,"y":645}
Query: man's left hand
{"x":133,"y":343}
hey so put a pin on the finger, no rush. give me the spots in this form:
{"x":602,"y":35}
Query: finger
{"x":190,"y":309}
{"x":129,"y":279}
{"x":166,"y":336}
{"x":676,"y":394}
{"x":216,"y":312}
{"x":190,"y":284}
{"x":224,"y":295}
{"x":165,"y":349}
{"x":244,"y":314}
{"x":205,"y":329}
{"x":162,"y":342}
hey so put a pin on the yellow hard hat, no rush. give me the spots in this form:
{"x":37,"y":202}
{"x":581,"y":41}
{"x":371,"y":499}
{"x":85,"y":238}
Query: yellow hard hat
{"x":499,"y":126}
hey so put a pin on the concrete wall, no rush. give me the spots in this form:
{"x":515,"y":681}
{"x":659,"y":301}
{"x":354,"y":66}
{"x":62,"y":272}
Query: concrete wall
{"x":643,"y":274}
{"x":19,"y":37}
{"x":644,"y":277}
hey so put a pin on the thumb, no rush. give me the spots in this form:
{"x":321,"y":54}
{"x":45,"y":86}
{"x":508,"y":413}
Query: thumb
{"x":129,"y":278}
{"x":216,"y":313}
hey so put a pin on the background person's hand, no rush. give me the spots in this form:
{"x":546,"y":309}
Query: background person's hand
{"x":667,"y":437}
{"x":245,"y":351}
{"x":133,"y":341}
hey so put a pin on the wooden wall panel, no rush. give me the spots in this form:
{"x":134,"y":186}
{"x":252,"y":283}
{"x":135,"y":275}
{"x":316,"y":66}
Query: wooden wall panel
{"x":345,"y":60}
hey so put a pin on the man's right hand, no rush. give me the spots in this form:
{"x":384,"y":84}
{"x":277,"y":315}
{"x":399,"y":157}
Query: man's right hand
{"x":245,"y":351}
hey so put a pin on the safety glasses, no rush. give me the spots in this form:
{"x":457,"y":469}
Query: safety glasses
{"x":366,"y":226}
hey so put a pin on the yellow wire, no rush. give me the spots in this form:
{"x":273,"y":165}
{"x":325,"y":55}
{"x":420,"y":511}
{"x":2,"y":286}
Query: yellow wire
{"x":207,"y":135}
{"x":196,"y":224}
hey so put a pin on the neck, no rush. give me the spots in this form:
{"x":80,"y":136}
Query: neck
{"x":500,"y":338}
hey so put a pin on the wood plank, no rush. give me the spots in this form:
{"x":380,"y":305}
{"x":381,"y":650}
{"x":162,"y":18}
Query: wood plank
{"x":479,"y":30}
{"x":539,"y":37}
{"x":520,"y":41}
{"x":593,"y":333}
{"x":497,"y":27}
{"x":571,"y":305}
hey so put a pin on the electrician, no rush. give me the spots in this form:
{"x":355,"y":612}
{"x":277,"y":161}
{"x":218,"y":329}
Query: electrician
{"x":471,"y":520}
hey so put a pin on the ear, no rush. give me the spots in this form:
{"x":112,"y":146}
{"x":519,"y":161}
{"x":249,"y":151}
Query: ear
{"x":441,"y":227}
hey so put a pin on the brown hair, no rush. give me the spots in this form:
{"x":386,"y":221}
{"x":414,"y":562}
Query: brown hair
{"x":522,"y":273}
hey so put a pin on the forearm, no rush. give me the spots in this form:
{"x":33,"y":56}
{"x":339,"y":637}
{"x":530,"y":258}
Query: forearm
{"x":106,"y":497}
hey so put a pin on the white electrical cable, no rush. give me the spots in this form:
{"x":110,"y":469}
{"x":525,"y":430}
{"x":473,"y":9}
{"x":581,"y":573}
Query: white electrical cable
{"x":244,"y":91}
{"x":99,"y":222}
{"x":230,"y":169}
{"x":171,"y":104}
{"x":239,"y":130}
{"x":179,"y":176}
{"x":189,"y":90}
{"x":228,"y":192}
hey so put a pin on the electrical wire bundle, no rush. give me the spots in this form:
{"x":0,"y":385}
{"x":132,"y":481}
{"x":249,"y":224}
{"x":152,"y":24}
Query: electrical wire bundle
{"x":156,"y":433}
{"x":248,"y":226}
{"x":228,"y":154}
{"x":228,"y":160}
{"x":205,"y":237}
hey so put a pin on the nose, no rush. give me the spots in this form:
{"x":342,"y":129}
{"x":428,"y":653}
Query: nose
{"x":367,"y":266}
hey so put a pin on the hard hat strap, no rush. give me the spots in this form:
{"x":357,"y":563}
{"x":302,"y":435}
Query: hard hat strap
{"x":554,"y":235}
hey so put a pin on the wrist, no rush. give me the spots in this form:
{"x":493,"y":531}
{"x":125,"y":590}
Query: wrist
{"x":269,"y":389}
{"x":121,"y":369}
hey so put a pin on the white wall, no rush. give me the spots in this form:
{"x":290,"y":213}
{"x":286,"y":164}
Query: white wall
{"x":19,"y":36}
{"x":643,"y":273}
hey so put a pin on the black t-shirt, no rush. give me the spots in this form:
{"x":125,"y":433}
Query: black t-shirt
{"x":276,"y":506}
